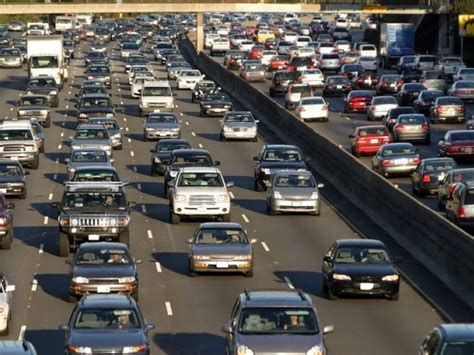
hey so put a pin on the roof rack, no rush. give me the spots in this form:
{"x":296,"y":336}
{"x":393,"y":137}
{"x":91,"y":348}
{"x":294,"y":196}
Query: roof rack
{"x":110,"y":185}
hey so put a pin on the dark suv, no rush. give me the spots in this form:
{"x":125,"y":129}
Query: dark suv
{"x":44,"y":85}
{"x":6,"y":223}
{"x":449,"y":339}
{"x":460,"y":205}
{"x":12,"y":178}
{"x":93,"y":211}
{"x":97,"y":105}
{"x":274,"y":322}
{"x":281,"y":81}
{"x":107,"y":324}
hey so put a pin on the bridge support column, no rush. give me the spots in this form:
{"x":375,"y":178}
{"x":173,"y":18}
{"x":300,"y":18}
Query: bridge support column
{"x":199,"y":32}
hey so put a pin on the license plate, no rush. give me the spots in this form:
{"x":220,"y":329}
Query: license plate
{"x":156,"y":110}
{"x":401,"y":161}
{"x":468,"y":150}
{"x":338,"y":86}
{"x":3,"y":191}
{"x":296,"y":204}
{"x":103,"y":289}
{"x":374,"y":141}
{"x":366,"y":286}
{"x":415,"y":93}
{"x":94,"y":237}
{"x":222,"y":265}
{"x":201,"y":208}
{"x":14,"y":158}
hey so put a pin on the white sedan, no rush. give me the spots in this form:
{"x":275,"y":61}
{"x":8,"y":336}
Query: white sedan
{"x":380,"y":106}
{"x":368,"y":63}
{"x":187,"y":79}
{"x":137,"y":84}
{"x":312,"y":108}
{"x":5,"y":304}
{"x":313,"y":77}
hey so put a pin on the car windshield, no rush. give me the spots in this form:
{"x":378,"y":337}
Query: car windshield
{"x":131,"y":46}
{"x":102,"y":256}
{"x":91,"y":90}
{"x":107,"y":318}
{"x":458,"y":348}
{"x":9,"y":170}
{"x":98,"y":156}
{"x":42,"y":82}
{"x":200,"y":86}
{"x":281,"y":154}
{"x":300,"y":89}
{"x":463,"y":175}
{"x":394,"y":113}
{"x":192,"y":159}
{"x":414,"y":87}
{"x":427,"y":59}
{"x":156,"y":91}
{"x":220,"y":236}
{"x":438,"y":166}
{"x":277,"y":320}
{"x":44,"y":62}
{"x":239,"y":117}
{"x":99,"y":69}
{"x":462,"y":136}
{"x":313,"y":101}
{"x":390,"y":78}
{"x":216,"y":97}
{"x":372,"y":131}
{"x":110,"y":125}
{"x":95,"y":175}
{"x":351,"y":68}
{"x":431,"y":94}
{"x":352,"y":255}
{"x":15,"y":135}
{"x":162,"y":119}
{"x":394,"y":150}
{"x":91,"y":133}
{"x":33,"y":101}
{"x":169,"y":147}
{"x":10,"y":52}
{"x":292,"y":180}
{"x":337,"y":80}
{"x":93,"y":200}
{"x":201,"y":179}
{"x":90,"y":102}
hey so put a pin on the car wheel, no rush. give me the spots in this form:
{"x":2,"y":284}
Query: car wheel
{"x":257,"y":186}
{"x":119,"y":147}
{"x":7,"y":242}
{"x":175,"y":219}
{"x":35,"y":163}
{"x":394,"y":297}
{"x":249,"y":273}
{"x":64,"y":245}
{"x":124,"y":237}
{"x":223,"y":138}
{"x":135,"y":296}
{"x":331,"y":295}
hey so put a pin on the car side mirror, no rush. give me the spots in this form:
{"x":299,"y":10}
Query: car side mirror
{"x":55,"y":205}
{"x":64,"y":327}
{"x":10,"y":205}
{"x":152,"y":150}
{"x":149,"y":326}
{"x":76,"y":95}
{"x":227,"y":328}
{"x":68,"y":261}
{"x":268,"y":184}
{"x":217,"y":163}
{"x":230,"y":184}
{"x":131,"y":204}
{"x":328,"y":329}
{"x":327,"y":259}
{"x":138,"y":261}
{"x":10,"y":288}
{"x":257,"y":121}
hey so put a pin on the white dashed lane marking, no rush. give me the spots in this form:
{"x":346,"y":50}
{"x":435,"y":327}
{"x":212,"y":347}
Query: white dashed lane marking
{"x":143,"y":208}
{"x":50,"y":197}
{"x":245,"y":218}
{"x":265,"y":246}
{"x":169,"y":310}
{"x":158,"y":267}
{"x":22,"y":333}
{"x":149,"y":234}
{"x":34,"y":285}
{"x":231,"y":195}
{"x":46,"y":220}
{"x":288,"y":282}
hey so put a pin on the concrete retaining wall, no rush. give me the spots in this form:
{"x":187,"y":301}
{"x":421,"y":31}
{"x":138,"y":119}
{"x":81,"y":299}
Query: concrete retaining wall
{"x":439,"y":245}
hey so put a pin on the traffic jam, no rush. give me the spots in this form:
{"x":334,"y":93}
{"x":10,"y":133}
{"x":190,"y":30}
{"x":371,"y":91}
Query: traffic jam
{"x":101,"y":102}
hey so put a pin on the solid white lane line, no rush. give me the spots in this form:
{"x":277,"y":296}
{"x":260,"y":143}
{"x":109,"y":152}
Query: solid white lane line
{"x":200,"y":145}
{"x":245,"y":218}
{"x":129,"y":140}
{"x":132,"y":154}
{"x":168,"y":308}
{"x":34,"y":285}
{"x":265,"y":246}
{"x":41,"y":249}
{"x":149,"y":233}
{"x":22,"y":333}
{"x":288,"y":282}
{"x":46,"y":219}
{"x":231,"y":195}
{"x":50,"y":197}
{"x":158,"y":267}
{"x":194,"y":134}
{"x":143,"y":208}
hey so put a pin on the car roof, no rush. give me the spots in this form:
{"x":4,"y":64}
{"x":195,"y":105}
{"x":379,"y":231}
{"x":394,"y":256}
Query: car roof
{"x":106,"y":301}
{"x":191,"y":151}
{"x":273,"y":146}
{"x":457,"y":332}
{"x":402,"y":144}
{"x":366,"y":243}
{"x":16,"y":347}
{"x":12,"y":124}
{"x":220,"y":225}
{"x":430,"y":160}
{"x":275,"y":298}
{"x":171,"y":141}
{"x":95,"y":167}
{"x":99,"y":95}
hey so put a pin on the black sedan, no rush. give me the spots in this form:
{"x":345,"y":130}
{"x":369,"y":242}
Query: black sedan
{"x":160,"y":156}
{"x":429,"y":173}
{"x":106,"y":324}
{"x":425,"y":100}
{"x":409,"y":92}
{"x":102,"y":268}
{"x":12,"y":178}
{"x":94,"y":106}
{"x":336,"y":85}
{"x":360,"y":266}
{"x":201,"y":89}
{"x":215,"y":104}
{"x":275,"y":157}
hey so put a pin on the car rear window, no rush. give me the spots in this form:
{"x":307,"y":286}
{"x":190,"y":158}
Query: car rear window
{"x":385,"y":100}
{"x":433,"y":75}
{"x":462,"y":136}
{"x":463,"y":175}
{"x":330,"y":56}
{"x":372,"y":131}
{"x":412,"y":119}
{"x":438,"y":166}
{"x":450,"y":101}
{"x":427,"y":59}
{"x":397,"y":150}
{"x":465,"y":85}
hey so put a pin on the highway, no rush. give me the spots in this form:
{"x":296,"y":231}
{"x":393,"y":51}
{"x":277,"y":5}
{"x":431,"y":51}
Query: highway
{"x":189,"y":312}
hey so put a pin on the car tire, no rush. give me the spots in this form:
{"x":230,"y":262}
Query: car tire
{"x":227,"y":217}
{"x":71,"y":299}
{"x":255,"y":139}
{"x":135,"y":296}
{"x":124,"y":237}
{"x":35,"y":163}
{"x":174,"y":218}
{"x":7,"y":242}
{"x":6,"y":331}
{"x":249,"y":273}
{"x":64,"y":245}
{"x":152,"y":171}
{"x":331,"y":295}
{"x":223,"y":138}
{"x":394,"y":297}
{"x":258,"y":186}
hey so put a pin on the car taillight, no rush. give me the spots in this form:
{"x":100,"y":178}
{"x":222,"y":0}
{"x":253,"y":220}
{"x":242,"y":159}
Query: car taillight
{"x":462,"y":212}
{"x":329,"y":87}
{"x":372,"y":108}
{"x":425,"y":126}
{"x":440,"y":109}
{"x":321,"y":62}
{"x":426,"y":178}
{"x":399,"y":127}
{"x":453,"y":149}
{"x":387,"y":163}
{"x":415,"y":161}
{"x":458,"y":91}
{"x":451,"y":188}
{"x":384,"y":84}
{"x":3,"y":221}
{"x":462,"y":109}
{"x":386,"y":140}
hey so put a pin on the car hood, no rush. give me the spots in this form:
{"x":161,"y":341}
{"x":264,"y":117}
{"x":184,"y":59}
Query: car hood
{"x":283,"y":165}
{"x":33,"y":108}
{"x":221,"y":249}
{"x":240,"y":124}
{"x":76,"y":165}
{"x":17,"y":178}
{"x":216,"y":102}
{"x":103,"y":271}
{"x":279,"y":344}
{"x":94,"y":142}
{"x":365,"y":269}
{"x":199,"y":190}
{"x":301,"y":192}
{"x":43,"y":91}
{"x":106,"y":338}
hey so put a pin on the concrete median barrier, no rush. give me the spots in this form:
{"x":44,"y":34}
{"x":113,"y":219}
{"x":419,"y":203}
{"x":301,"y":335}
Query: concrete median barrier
{"x":439,"y":245}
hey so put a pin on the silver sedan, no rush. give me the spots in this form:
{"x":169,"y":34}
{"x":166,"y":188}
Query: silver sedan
{"x":239,"y":125}
{"x":161,"y":125}
{"x":396,"y":159}
{"x":293,"y":191}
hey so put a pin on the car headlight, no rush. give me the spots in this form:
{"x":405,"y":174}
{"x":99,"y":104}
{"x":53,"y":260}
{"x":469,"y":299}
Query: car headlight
{"x":90,"y":77}
{"x":127,"y":279}
{"x":222,"y":198}
{"x":391,"y":278}
{"x":266,"y":171}
{"x":74,"y":222}
{"x":149,"y":129}
{"x":227,"y":129}
{"x":113,"y":222}
{"x":201,"y":257}
{"x":207,"y":106}
{"x":80,"y":349}
{"x":277,"y":195}
{"x":133,"y":349}
{"x":341,"y":277}
{"x":64,"y":222}
{"x":226,"y":106}
{"x":314,"y":195}
{"x":315,"y":350}
{"x":16,"y":184}
{"x":180,"y":197}
{"x":53,"y":92}
{"x":83,"y":115}
{"x":173,"y":173}
{"x":175,"y":130}
{"x":21,"y":113}
{"x":244,"y":350}
{"x":243,"y":257}
{"x":106,"y":147}
{"x":123,"y":221}
{"x":170,"y":104}
{"x":157,"y":160}
{"x":80,"y":280}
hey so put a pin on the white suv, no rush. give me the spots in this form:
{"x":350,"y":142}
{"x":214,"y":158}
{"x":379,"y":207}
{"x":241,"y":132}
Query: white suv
{"x":156,"y":96}
{"x":199,"y":192}
{"x":18,"y":141}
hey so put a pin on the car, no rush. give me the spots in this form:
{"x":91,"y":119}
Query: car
{"x":425,"y":100}
{"x":160,"y":125}
{"x":6,"y":302}
{"x":293,"y":191}
{"x":160,"y":155}
{"x":395,"y":159}
{"x":425,"y":62}
{"x":220,"y":247}
{"x":173,"y":68}
{"x":139,"y":70}
{"x":267,"y":56}
{"x":298,"y":64}
{"x":281,"y":80}
{"x":295,"y":93}
{"x":155,"y":95}
{"x":94,"y":105}
{"x":365,"y":80}
{"x":239,"y":125}
{"x":12,"y":179}
{"x":137,"y":60}
{"x":427,"y":176}
{"x":368,"y":139}
{"x":274,"y":321}
{"x":253,"y":72}
{"x":17,"y":347}
{"x":457,"y":144}
{"x":410,"y":75}
{"x":360,"y":267}
{"x":91,"y":87}
{"x":202,"y":88}
{"x":128,"y":48}
{"x":44,"y":86}
{"x":368,"y":50}
{"x":35,"y":106}
{"x":448,"y":183}
{"x":349,"y":57}
{"x":87,"y":158}
{"x":433,"y":80}
{"x":312,"y":108}
{"x":379,"y":106}
{"x":450,"y":65}
{"x":93,"y":136}
{"x":325,"y":47}
{"x":464,"y":74}
{"x":235,"y":59}
{"x":406,"y":62}
{"x":18,"y":142}
{"x":199,"y":192}
{"x":215,"y":104}
{"x":447,"y":108}
{"x":392,"y":115}
{"x":117,"y":318}
{"x":138,"y":81}
{"x":409,"y":92}
{"x":187,"y":79}
{"x":358,"y":101}
{"x":464,"y":89}
{"x":411,"y":128}
{"x":11,"y":58}
{"x":98,"y":46}
{"x":274,"y":157}
{"x":459,"y":205}
{"x":166,"y":53}
{"x":368,"y":63}
{"x":330,"y":62}
{"x":95,"y":57}
{"x":455,"y":338}
{"x":313,"y":77}
{"x":388,"y":84}
{"x":336,"y":85}
{"x":112,"y":126}
{"x":102,"y":268}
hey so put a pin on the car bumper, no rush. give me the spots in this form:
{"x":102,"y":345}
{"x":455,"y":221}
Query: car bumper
{"x":161,"y":134}
{"x":217,"y":209}
{"x":148,"y":110}
{"x":361,"y":288}
{"x":12,"y":191}
{"x":3,"y":323}
{"x":80,"y":234}
{"x":240,"y":134}
{"x":429,"y":188}
{"x":221,"y":265}
{"x":372,"y":149}
{"x":79,"y":290}
{"x":14,"y":64}
{"x":453,"y":118}
{"x":215,"y":111}
{"x":412,"y":137}
{"x":23,"y":158}
{"x":403,"y":169}
{"x":309,"y":206}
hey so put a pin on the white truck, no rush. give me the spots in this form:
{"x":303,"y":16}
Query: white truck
{"x":64,"y":23}
{"x":32,"y":27}
{"x":83,"y":19}
{"x":45,"y":57}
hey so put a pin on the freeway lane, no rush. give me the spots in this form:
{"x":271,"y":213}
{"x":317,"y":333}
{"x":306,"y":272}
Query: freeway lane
{"x":188,"y":311}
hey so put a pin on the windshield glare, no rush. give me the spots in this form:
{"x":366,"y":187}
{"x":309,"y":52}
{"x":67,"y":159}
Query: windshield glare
{"x":98,"y":133}
{"x":89,"y":157}
{"x":16,"y":135}
{"x":361,"y":255}
{"x":33,"y":101}
{"x":303,"y":181}
{"x":9,"y":170}
{"x":281,"y":155}
{"x":201,"y":179}
{"x":458,"y":348}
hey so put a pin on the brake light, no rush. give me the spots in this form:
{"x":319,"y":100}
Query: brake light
{"x":325,"y":107}
{"x":451,"y":188}
{"x":372,"y":108}
{"x":384,"y":84}
{"x":387,"y":163}
{"x":425,"y":126}
{"x":415,"y":161}
{"x":329,"y":87}
{"x":462,"y":109}
{"x":462,"y":212}
{"x":3,"y":221}
{"x":321,"y":61}
{"x":399,"y":127}
{"x":426,"y":178}
{"x":440,"y":109}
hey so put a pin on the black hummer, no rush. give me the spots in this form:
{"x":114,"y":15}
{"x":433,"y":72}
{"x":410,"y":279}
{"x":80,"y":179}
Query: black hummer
{"x":93,"y":211}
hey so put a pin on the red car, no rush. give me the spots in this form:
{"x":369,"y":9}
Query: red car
{"x":279,"y":62}
{"x":368,"y":139}
{"x":250,"y":32}
{"x":358,"y":101}
{"x":256,"y":52}
{"x":365,"y":81}
{"x":457,"y":145}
